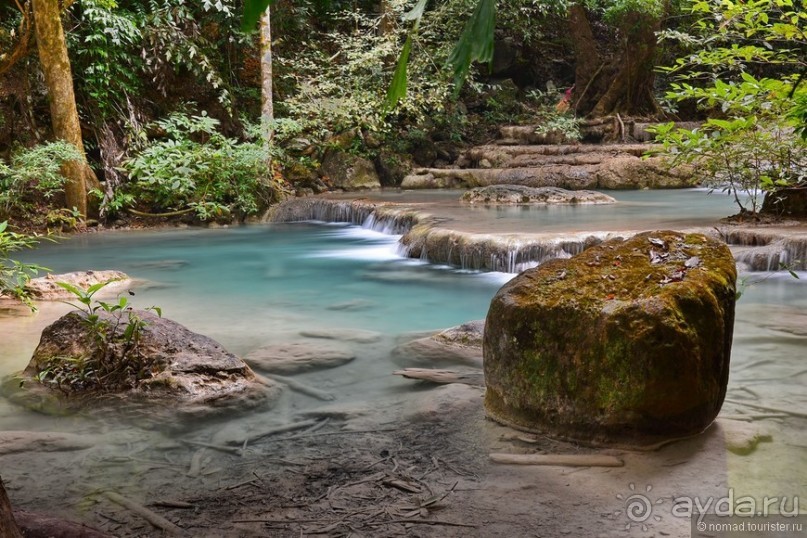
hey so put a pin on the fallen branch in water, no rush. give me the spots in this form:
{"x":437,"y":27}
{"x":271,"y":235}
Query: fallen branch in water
{"x":565,"y":460}
{"x":303,"y":388}
{"x":799,"y":414}
{"x":152,"y":517}
{"x":173,"y":504}
{"x":221,"y":448}
{"x":750,"y":418}
{"x":442,"y":376}
{"x":424,"y":522}
{"x":279,"y":429}
{"x":160,"y":215}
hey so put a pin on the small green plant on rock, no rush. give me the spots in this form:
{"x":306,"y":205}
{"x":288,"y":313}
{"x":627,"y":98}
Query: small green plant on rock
{"x":115,"y":360}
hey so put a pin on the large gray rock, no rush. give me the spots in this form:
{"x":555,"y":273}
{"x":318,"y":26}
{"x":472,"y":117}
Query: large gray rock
{"x":627,"y":343}
{"x":350,"y":172}
{"x":167,"y":372}
{"x":520,"y":194}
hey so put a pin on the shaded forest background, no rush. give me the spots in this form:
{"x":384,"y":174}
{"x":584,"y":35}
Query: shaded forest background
{"x":168,"y":93}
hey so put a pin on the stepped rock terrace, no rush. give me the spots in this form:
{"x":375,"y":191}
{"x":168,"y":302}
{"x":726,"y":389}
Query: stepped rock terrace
{"x":436,"y":228}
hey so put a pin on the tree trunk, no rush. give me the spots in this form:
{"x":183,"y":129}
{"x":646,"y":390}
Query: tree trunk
{"x":64,"y":115}
{"x":8,"y":527}
{"x":267,"y":103}
{"x":386,"y":21}
{"x":588,"y":63}
{"x":631,"y":90}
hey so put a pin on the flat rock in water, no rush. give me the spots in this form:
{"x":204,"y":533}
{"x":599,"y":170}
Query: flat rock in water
{"x":466,"y":335}
{"x":461,"y":345}
{"x":346,"y":335}
{"x":520,"y":194}
{"x":445,"y":400}
{"x":26,"y":441}
{"x":46,"y":288}
{"x":296,"y":357}
{"x":353,"y":305}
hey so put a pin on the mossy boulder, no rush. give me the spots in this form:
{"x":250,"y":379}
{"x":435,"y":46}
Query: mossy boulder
{"x":349,"y":172}
{"x":626,"y":344}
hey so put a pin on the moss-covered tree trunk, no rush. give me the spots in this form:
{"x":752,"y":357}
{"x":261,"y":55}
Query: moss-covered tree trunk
{"x":624,"y":84}
{"x":588,"y":63}
{"x":55,"y":64}
{"x":631,"y":89}
{"x":8,"y":527}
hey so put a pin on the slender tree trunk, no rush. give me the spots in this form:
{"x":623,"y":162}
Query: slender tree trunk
{"x":64,"y":114}
{"x":385,"y":23}
{"x":267,"y":103}
{"x":8,"y":527}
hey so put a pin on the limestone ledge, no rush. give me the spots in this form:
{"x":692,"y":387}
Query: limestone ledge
{"x":424,"y":236}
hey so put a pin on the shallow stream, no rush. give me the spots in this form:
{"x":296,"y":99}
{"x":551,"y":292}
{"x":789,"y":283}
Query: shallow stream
{"x":251,"y":286}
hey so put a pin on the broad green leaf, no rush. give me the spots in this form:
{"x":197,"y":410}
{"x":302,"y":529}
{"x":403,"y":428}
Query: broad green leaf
{"x":253,"y":10}
{"x":475,"y":43}
{"x":416,"y":13}
{"x":71,"y":288}
{"x":397,"y":88}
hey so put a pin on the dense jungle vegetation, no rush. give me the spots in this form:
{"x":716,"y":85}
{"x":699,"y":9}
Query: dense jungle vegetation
{"x":117,"y":109}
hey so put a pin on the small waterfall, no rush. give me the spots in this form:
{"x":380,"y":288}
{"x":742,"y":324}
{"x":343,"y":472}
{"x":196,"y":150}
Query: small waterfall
{"x":754,"y":250}
{"x":508,"y":254}
{"x":764,"y":251}
{"x":384,"y":218}
{"x":778,"y":256}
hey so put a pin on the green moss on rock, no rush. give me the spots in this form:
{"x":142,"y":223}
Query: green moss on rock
{"x":627,"y":343}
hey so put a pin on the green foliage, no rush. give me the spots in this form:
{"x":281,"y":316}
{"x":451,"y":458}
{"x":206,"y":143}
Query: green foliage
{"x":173,"y":34}
{"x":338,"y":80}
{"x":193,"y":166}
{"x":105,"y":39}
{"x":551,"y":119}
{"x":115,"y":46}
{"x":253,"y":9}
{"x":31,"y":176}
{"x":116,"y":361}
{"x":563,"y":124}
{"x":617,"y":12}
{"x":751,"y":145}
{"x":14,"y":275}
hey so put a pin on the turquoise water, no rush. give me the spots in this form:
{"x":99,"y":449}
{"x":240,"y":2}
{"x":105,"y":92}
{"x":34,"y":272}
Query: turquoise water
{"x":283,"y":277}
{"x":634,"y":210}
